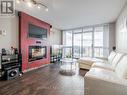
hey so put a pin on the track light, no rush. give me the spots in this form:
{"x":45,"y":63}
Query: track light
{"x":30,"y":3}
{"x":38,"y":7}
{"x":46,"y":9}
{"x":18,"y":1}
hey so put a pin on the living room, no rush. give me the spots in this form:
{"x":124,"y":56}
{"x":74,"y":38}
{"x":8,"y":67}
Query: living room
{"x":63,"y":47}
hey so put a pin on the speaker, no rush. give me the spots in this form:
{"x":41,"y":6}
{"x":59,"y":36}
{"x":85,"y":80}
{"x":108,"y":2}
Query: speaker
{"x":12,"y":73}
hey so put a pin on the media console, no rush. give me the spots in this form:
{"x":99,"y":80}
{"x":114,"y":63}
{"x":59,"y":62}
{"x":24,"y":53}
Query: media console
{"x":10,"y":66}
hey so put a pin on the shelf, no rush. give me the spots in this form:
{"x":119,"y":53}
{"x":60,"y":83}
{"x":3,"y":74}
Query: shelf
{"x":9,"y":62}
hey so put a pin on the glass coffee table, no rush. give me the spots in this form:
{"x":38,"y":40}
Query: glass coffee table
{"x":68,"y":66}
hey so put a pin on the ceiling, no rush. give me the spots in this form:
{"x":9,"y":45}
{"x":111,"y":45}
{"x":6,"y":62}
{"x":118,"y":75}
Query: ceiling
{"x":67,"y":14}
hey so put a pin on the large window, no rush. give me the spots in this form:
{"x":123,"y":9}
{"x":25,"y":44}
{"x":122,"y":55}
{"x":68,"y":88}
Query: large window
{"x":77,"y":43}
{"x":68,"y":39}
{"x":87,"y":41}
{"x":67,"y":42}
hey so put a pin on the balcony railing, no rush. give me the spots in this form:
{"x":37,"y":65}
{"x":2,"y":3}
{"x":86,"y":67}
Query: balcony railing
{"x":85,"y":52}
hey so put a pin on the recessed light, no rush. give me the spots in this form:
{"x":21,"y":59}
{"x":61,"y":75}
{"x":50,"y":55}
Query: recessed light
{"x":46,"y":9}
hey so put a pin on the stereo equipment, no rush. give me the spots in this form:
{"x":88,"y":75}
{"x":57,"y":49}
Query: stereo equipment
{"x":10,"y":66}
{"x":12,"y":73}
{"x":3,"y":51}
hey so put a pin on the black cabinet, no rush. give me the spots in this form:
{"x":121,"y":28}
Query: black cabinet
{"x":10,"y":66}
{"x":55,"y":53}
{"x":55,"y":58}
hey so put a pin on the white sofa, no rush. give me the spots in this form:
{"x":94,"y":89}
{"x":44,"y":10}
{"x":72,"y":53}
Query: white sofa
{"x":87,"y":62}
{"x":101,"y":81}
{"x":112,"y":62}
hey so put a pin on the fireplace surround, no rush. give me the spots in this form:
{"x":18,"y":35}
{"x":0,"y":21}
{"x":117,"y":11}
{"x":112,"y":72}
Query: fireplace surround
{"x":40,"y":46}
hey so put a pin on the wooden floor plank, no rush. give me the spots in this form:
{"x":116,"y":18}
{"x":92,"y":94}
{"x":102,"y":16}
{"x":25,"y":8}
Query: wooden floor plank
{"x":45,"y":81}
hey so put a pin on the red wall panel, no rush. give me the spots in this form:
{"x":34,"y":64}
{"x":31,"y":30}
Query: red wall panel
{"x":25,"y":42}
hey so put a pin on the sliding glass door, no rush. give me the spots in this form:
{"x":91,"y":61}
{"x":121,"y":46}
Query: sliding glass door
{"x":67,"y":42}
{"x":77,"y":41}
{"x":98,"y":42}
{"x":87,"y":44}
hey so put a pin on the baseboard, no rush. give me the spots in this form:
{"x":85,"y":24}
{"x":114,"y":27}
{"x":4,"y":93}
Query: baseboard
{"x":35,"y":68}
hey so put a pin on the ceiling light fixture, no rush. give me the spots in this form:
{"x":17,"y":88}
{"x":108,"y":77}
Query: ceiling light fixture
{"x":33,"y":2}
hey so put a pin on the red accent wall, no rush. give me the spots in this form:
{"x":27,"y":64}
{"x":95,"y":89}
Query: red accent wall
{"x":25,"y":42}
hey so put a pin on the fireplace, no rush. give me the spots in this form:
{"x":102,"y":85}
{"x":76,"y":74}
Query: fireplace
{"x":33,"y":42}
{"x":37,"y":53}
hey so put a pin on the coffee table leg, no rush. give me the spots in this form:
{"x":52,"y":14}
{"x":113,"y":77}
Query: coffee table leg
{"x":71,"y":66}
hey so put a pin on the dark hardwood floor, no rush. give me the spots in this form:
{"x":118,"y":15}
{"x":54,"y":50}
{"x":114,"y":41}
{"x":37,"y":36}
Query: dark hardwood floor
{"x":45,"y":81}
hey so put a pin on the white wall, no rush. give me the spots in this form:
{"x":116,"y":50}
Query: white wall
{"x":121,"y":31}
{"x":109,"y":36}
{"x":112,"y":33}
{"x":55,"y":37}
{"x":10,"y":25}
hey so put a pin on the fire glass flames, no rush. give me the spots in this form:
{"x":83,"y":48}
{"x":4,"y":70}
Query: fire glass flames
{"x":37,"y":53}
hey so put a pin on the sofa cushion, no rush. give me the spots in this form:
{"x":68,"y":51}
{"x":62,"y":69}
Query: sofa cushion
{"x":121,"y":68}
{"x":111,"y":57}
{"x":103,"y":66}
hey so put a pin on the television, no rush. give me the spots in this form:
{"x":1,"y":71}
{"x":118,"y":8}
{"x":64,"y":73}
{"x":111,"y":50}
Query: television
{"x":37,"y":32}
